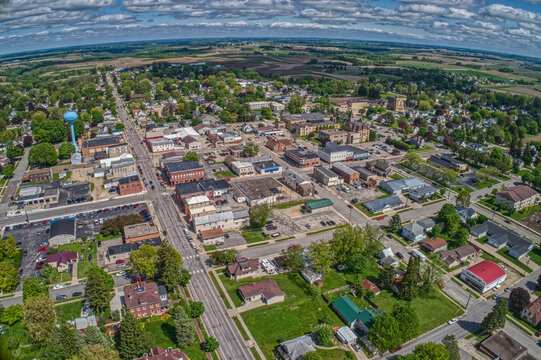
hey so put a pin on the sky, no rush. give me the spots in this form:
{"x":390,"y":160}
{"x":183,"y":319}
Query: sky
{"x":509,"y":26}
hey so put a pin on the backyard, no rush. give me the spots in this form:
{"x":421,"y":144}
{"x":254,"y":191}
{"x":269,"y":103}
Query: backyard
{"x":299,"y":314}
{"x":69,"y":311}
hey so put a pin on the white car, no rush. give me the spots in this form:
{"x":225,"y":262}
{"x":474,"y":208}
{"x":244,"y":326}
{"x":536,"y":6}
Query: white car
{"x":452,"y":321}
{"x":59,"y":286}
{"x":121,"y":273}
{"x":496,"y":288}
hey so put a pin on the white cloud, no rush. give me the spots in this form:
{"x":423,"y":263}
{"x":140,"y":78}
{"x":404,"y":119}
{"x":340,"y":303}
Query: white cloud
{"x":511,"y":13}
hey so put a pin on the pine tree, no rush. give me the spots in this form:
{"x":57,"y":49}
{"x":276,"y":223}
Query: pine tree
{"x":450,"y":343}
{"x":93,"y":336}
{"x":395,"y":224}
{"x":97,"y":291}
{"x":63,"y":344}
{"x":410,"y":281}
{"x":387,"y":276}
{"x":134,"y":341}
{"x":184,"y":328}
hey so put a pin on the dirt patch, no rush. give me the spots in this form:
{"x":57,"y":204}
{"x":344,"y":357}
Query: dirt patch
{"x":532,"y":221}
{"x":519,"y":90}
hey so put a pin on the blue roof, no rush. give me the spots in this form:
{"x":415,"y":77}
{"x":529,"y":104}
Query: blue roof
{"x":70,"y":116}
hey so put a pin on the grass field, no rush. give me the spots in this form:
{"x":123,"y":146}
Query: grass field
{"x":432,"y":311}
{"x":289,"y":204}
{"x":460,"y":188}
{"x":297,"y":315}
{"x":333,"y":354}
{"x":535,"y":255}
{"x":486,"y":184}
{"x":252,"y":235}
{"x":69,"y":311}
{"x":225,"y":174}
{"x":504,"y":252}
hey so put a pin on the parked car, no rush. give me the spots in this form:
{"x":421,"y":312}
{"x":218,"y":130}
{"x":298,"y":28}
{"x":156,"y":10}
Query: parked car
{"x":61,"y":297}
{"x":381,"y":217}
{"x":350,"y":206}
{"x":507,"y":289}
{"x":120,"y":261}
{"x":399,"y":255}
{"x":77,"y":293}
{"x":271,"y":227}
{"x":452,"y":321}
{"x":275,"y":235}
{"x":121,"y":273}
{"x":43,"y":248}
{"x":356,"y":347}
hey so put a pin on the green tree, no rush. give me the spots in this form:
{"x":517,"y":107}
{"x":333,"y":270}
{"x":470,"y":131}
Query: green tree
{"x":9,"y":278}
{"x":93,"y":336}
{"x":312,"y":355}
{"x":39,"y":318}
{"x":196,"y":309}
{"x":407,"y":320}
{"x":410,"y":282}
{"x":8,"y":247}
{"x":295,"y":104}
{"x":12,"y":314}
{"x":385,"y":333}
{"x":97,"y":352}
{"x":169,"y":266}
{"x":13,"y":151}
{"x":97,"y":291}
{"x":184,"y":328}
{"x":210,"y":344}
{"x":143,"y":261}
{"x":32,"y":286}
{"x":134,"y":341}
{"x":321,"y":256}
{"x":387,"y":276}
{"x":251,"y":149}
{"x":495,"y":319}
{"x":293,"y":258}
{"x":266,"y":113}
{"x":450,"y":343}
{"x":106,"y":277}
{"x":63,"y":343}
{"x":259,"y":215}
{"x":8,"y":170}
{"x":191,"y":156}
{"x":223,"y":256}
{"x":43,"y":154}
{"x":65,"y":150}
{"x":395,"y":224}
{"x":97,"y":116}
{"x":346,"y":241}
{"x":463,"y":198}
{"x":78,"y":128}
{"x":325,"y":335}
{"x":185,"y":277}
{"x":431,"y":351}
{"x":449,"y":176}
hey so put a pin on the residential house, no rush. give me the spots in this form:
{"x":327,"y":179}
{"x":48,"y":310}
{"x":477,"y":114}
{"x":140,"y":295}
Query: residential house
{"x":161,"y":354}
{"x":465,"y":213}
{"x":353,"y":316}
{"x":433,"y":245}
{"x":267,"y":291}
{"x":212,"y":236}
{"x":62,"y":260}
{"x":499,"y":237}
{"x":517,"y":197}
{"x":460,"y":255}
{"x":311,"y":276}
{"x":386,"y":257}
{"x":213,"y":189}
{"x":122,"y":251}
{"x":369,"y":285}
{"x":243,"y":268}
{"x":295,"y":349}
{"x":384,"y":204}
{"x":380,"y":167}
{"x":146,"y":299}
{"x":413,"y":232}
{"x":532,"y":312}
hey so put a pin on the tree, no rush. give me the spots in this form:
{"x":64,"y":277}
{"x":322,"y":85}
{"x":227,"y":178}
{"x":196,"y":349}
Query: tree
{"x":407,"y":320}
{"x":13,"y":151}
{"x":312,"y":355}
{"x":106,"y":277}
{"x":210,"y":344}
{"x":259,"y":215}
{"x":251,"y":149}
{"x":43,"y":154}
{"x":450,"y":343}
{"x":431,"y":351}
{"x":8,"y":247}
{"x":134,"y":341}
{"x":373,"y":236}
{"x":143,"y":261}
{"x":385,"y":333}
{"x":93,"y":336}
{"x":27,"y":141}
{"x":325,"y":335}
{"x":223,"y":257}
{"x":8,"y":170}
{"x":495,"y":319}
{"x":266,"y":113}
{"x":387,"y":276}
{"x":32,"y":286}
{"x":12,"y":314}
{"x":463,"y":198}
{"x":78,"y":127}
{"x":169,"y":266}
{"x":191,"y":156}
{"x":63,"y":343}
{"x":65,"y":150}
{"x":97,"y":291}
{"x":97,"y":116}
{"x":346,"y":241}
{"x":97,"y":352}
{"x":39,"y":318}
{"x":196,"y":309}
{"x":9,"y":278}
{"x":294,"y":258}
{"x":449,"y":176}
{"x":184,"y":328}
{"x":321,"y":256}
{"x":519,"y":298}
{"x":115,"y":226}
{"x":395,"y":224}
{"x":185,"y":277}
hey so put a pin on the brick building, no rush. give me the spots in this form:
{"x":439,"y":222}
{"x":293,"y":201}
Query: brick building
{"x":359,"y":127}
{"x":141,"y":231}
{"x":92,"y":146}
{"x":302,"y":158}
{"x":184,"y":171}
{"x":129,"y":185}
{"x":146,"y":299}
{"x":350,"y":176}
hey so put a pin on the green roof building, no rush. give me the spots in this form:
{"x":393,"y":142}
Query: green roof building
{"x":315,"y":205}
{"x":353,"y":316}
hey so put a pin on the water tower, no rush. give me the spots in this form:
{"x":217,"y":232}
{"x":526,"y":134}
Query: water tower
{"x":70,"y":118}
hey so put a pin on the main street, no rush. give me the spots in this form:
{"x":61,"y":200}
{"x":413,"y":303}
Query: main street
{"x":216,"y":319}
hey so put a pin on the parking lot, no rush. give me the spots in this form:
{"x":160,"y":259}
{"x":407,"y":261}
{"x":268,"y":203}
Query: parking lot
{"x":362,"y":195}
{"x":289,"y":222}
{"x":90,"y":223}
{"x":233,"y":238}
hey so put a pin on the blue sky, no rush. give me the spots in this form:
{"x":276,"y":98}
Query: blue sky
{"x":511,"y":26}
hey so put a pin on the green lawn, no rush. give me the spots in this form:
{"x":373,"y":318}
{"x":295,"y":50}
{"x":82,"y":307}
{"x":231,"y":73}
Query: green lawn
{"x":297,"y":315}
{"x":504,"y":252}
{"x":252,"y":235}
{"x":458,"y":189}
{"x":90,"y":248}
{"x":482,"y":240}
{"x":241,"y":329}
{"x":69,"y":311}
{"x":486,"y":184}
{"x":432,"y":311}
{"x":524,"y":213}
{"x":332,"y":280}
{"x":209,"y":247}
{"x":162,"y":334}
{"x":396,"y":176}
{"x":288,"y":204}
{"x":333,"y":354}
{"x":535,"y":255}
{"x":224,"y":174}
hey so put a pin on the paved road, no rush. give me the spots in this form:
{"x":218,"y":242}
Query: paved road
{"x":217,"y":321}
{"x":16,"y":179}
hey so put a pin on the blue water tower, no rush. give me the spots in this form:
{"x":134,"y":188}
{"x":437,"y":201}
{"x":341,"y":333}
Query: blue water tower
{"x":70,"y":118}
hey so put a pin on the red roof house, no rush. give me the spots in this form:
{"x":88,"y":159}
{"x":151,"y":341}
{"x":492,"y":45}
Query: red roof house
{"x":484,"y":275}
{"x":369,"y":285}
{"x":62,"y":260}
{"x":161,"y":354}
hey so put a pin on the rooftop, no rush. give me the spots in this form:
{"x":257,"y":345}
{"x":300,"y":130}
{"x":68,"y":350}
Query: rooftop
{"x":268,"y":288}
{"x":179,"y":166}
{"x":62,"y":227}
{"x":141,"y":294}
{"x":517,"y":193}
{"x":318,"y":204}
{"x":487,"y":271}
{"x":140,"y":229}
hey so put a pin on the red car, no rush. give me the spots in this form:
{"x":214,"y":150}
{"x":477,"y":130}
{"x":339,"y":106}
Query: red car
{"x":121,"y":261}
{"x":538,"y":333}
{"x":293,"y":247}
{"x":136,"y":205}
{"x":271,"y":227}
{"x":162,"y":184}
{"x":228,"y":179}
{"x":43,"y":248}
{"x":39,"y":267}
{"x":159,"y":177}
{"x":137,"y":279}
{"x":31,"y":224}
{"x":381,"y":217}
{"x":350,"y":206}
{"x":44,"y":222}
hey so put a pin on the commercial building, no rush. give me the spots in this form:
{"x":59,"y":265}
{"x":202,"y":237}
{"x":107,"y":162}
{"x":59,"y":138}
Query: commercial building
{"x":213,"y":189}
{"x":184,"y":171}
{"x":302,"y":158}
{"x":62,"y":232}
{"x":448,"y":162}
{"x":226,"y":220}
{"x":267,"y":291}
{"x":380,"y":167}
{"x":298,"y":182}
{"x":212,"y":236}
{"x":117,"y":150}
{"x":278,"y":145}
{"x":360,"y":128}
{"x":422,"y":193}
{"x":38,"y":175}
{"x":327,"y":177}
{"x":501,"y":346}
{"x":98,"y":144}
{"x":129,"y":185}
{"x":141,"y":231}
{"x":242,"y":168}
{"x":350,"y":176}
{"x":517,"y":197}
{"x":265,"y":190}
{"x":333,"y":135}
{"x":161,"y":145}
{"x":191,"y":143}
{"x":333,"y":152}
{"x":483,"y":276}
{"x":146,"y":299}
{"x":37,"y":195}
{"x":400,"y":186}
{"x":291,"y":120}
{"x":314,"y":206}
{"x":122,"y":251}
{"x":267,"y":167}
{"x":384,"y":204}
{"x":197,"y":206}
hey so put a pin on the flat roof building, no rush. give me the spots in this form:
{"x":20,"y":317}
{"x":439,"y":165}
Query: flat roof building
{"x":141,"y":231}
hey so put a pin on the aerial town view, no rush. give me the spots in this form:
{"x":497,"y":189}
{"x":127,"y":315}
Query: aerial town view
{"x":270,"y":179}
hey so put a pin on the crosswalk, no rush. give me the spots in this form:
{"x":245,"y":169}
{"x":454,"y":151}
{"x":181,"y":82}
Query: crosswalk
{"x":197,"y":271}
{"x":190,"y":257}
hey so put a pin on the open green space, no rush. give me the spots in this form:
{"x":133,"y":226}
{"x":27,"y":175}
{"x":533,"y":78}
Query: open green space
{"x":396,"y":176}
{"x":289,"y":204}
{"x":225,"y":174}
{"x":524,"y":213}
{"x":333,"y":354}
{"x":458,"y":189}
{"x":299,"y":314}
{"x":535,"y":255}
{"x":162,"y":334}
{"x":332,"y":280}
{"x":252,"y":235}
{"x":485,"y":184}
{"x":209,"y":247}
{"x":505,"y":253}
{"x":69,"y":311}
{"x":432,"y":311}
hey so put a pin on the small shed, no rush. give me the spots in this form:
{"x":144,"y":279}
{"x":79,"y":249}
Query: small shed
{"x":346,"y":335}
{"x":317,"y":205}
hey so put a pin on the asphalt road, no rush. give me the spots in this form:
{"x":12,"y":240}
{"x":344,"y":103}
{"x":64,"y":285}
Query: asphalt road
{"x":216,"y":319}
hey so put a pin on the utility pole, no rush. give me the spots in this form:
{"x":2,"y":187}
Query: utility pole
{"x":468,"y":303}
